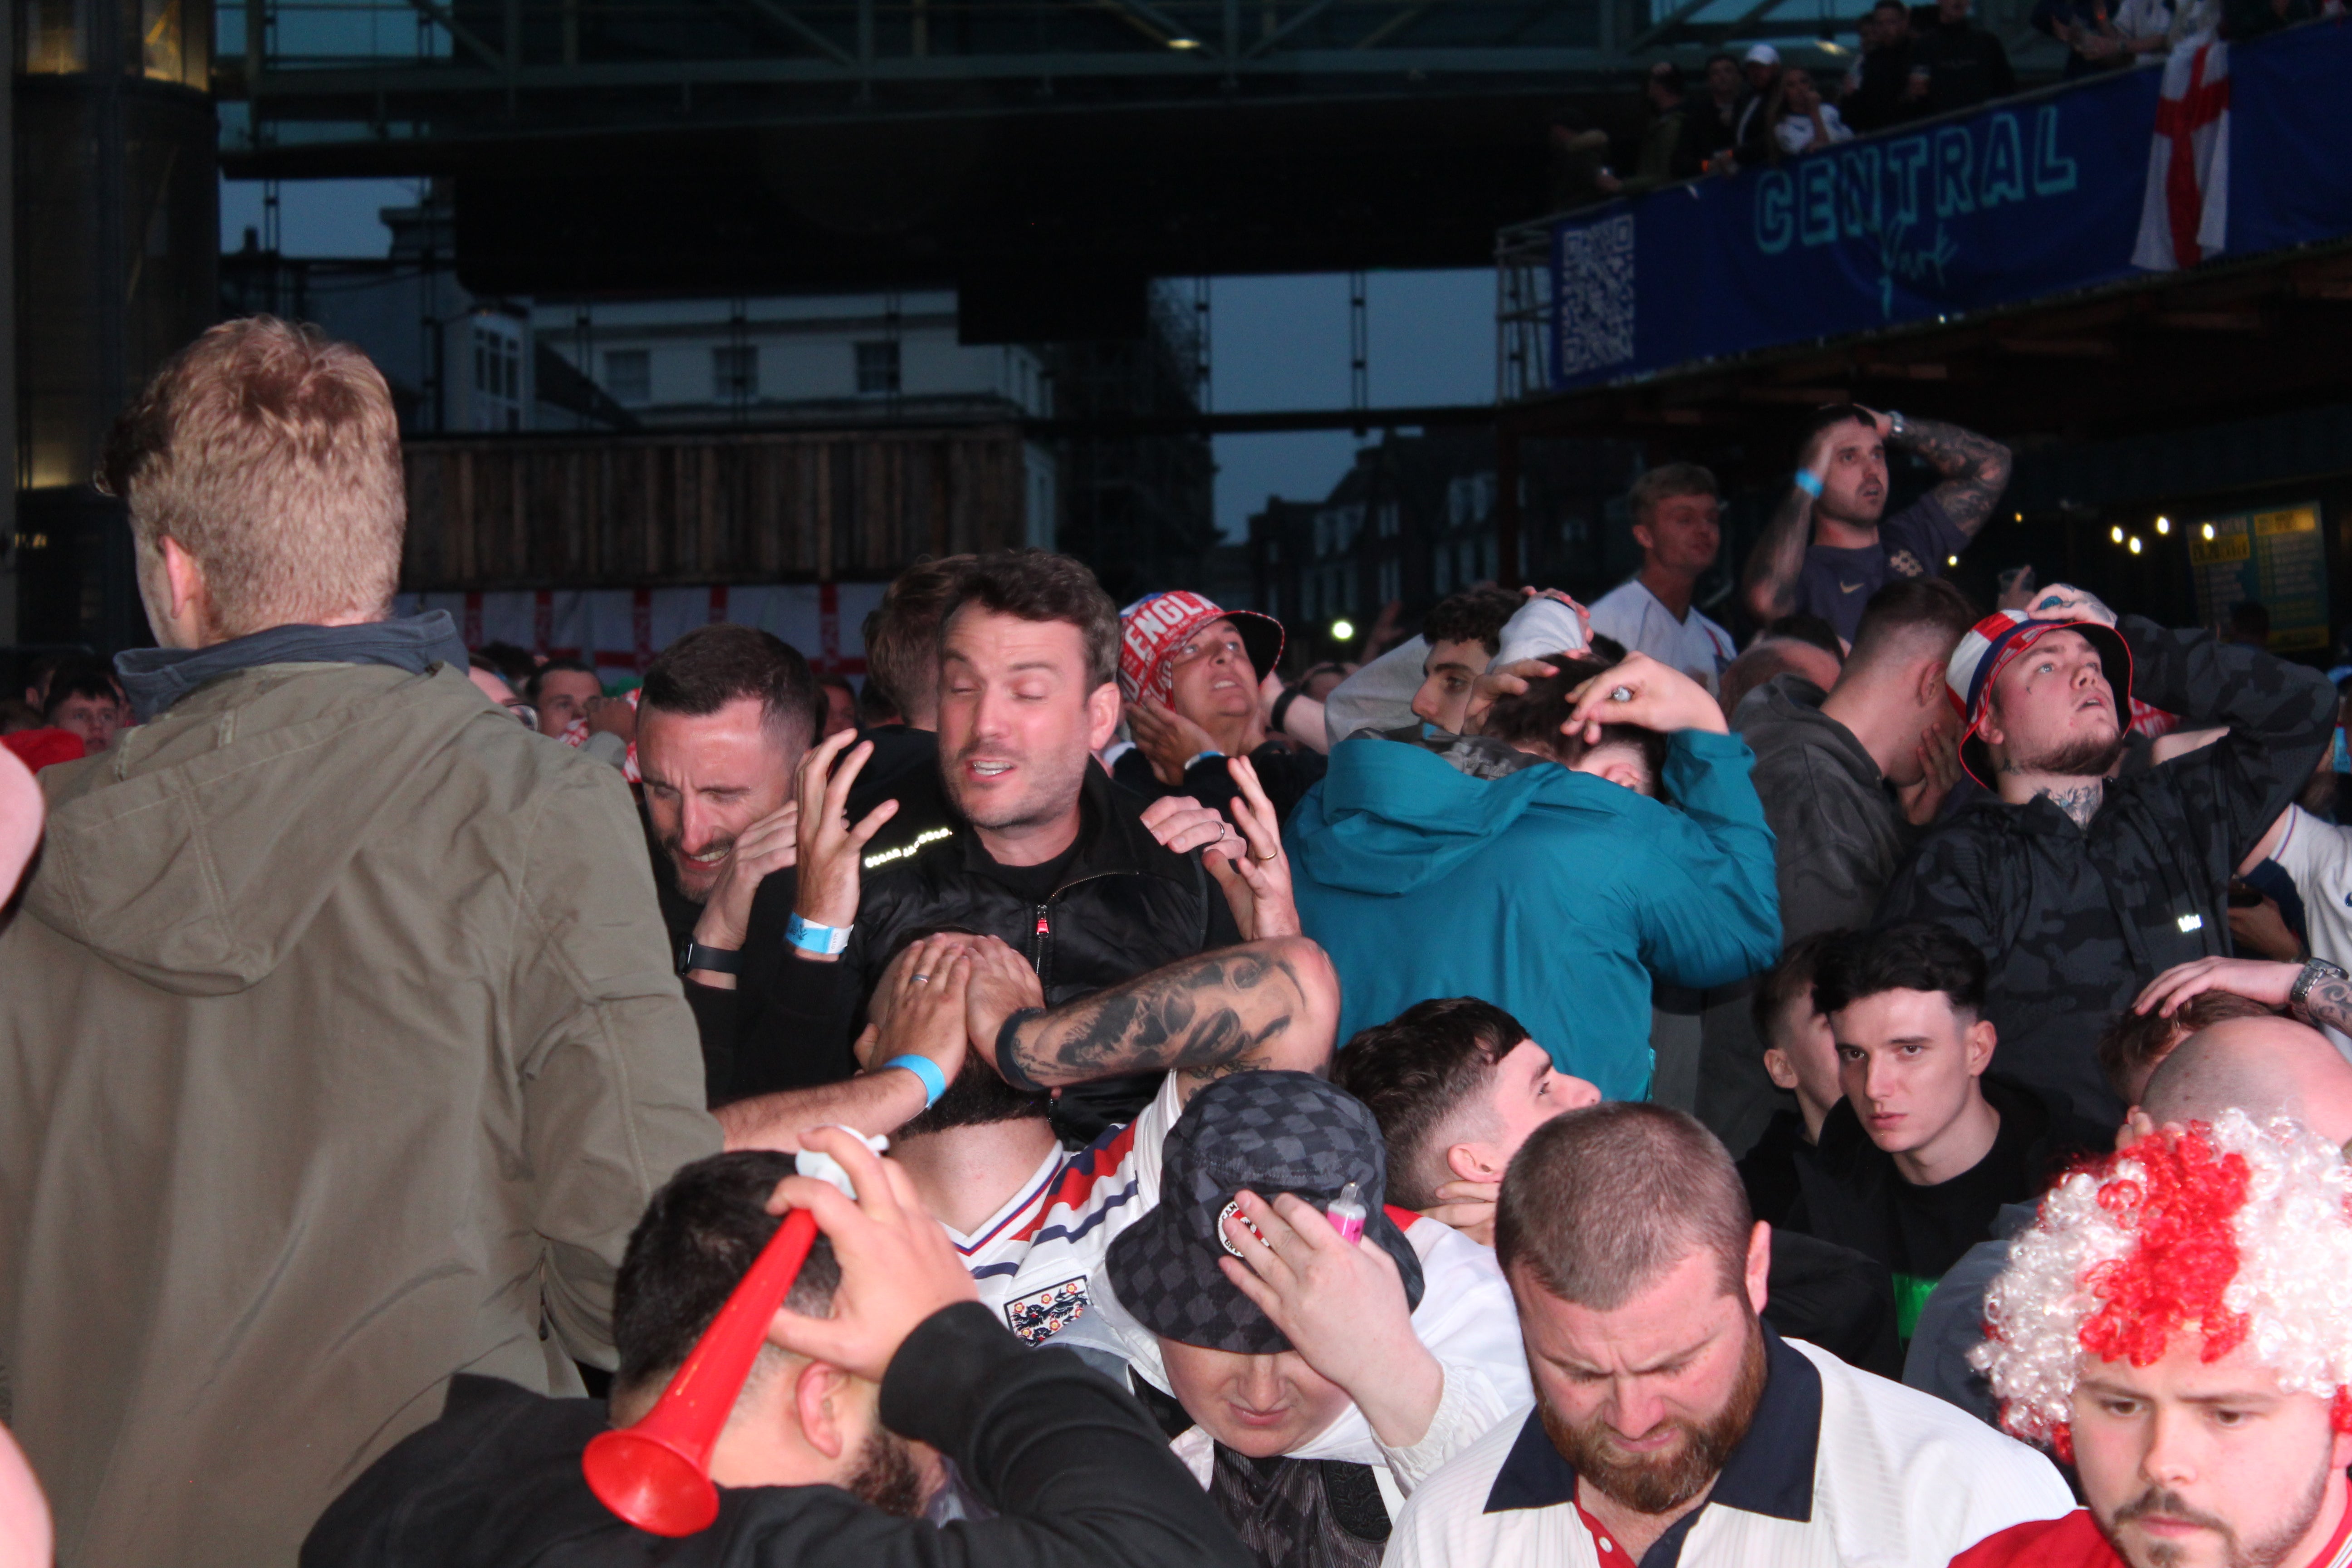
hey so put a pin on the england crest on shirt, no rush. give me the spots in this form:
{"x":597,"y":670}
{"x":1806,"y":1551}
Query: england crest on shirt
{"x":1040,"y":1315}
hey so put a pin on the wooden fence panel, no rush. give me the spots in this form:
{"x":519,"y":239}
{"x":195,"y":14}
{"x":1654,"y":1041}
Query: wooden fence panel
{"x":772,"y":506}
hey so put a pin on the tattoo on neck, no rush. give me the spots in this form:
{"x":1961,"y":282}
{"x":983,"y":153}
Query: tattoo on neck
{"x":2080,"y":802}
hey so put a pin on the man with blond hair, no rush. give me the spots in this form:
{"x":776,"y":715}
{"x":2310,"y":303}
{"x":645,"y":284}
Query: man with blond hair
{"x":339,"y":1044}
{"x":1678,"y":522}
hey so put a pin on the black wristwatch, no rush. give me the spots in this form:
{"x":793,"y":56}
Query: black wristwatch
{"x":1282,"y":710}
{"x":692,"y":954}
{"x":2315,"y":970}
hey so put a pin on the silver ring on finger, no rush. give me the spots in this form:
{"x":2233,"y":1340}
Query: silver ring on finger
{"x":1622,"y":694}
{"x":922,"y":980}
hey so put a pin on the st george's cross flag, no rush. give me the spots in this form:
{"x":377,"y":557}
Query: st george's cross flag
{"x":2185,"y":216}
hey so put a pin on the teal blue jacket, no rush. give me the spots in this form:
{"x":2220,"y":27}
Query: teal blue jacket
{"x":1555,"y":895}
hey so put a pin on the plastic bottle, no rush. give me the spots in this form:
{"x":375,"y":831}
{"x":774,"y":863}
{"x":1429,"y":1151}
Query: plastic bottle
{"x":1348,"y":1214}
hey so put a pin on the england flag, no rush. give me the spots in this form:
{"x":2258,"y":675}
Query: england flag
{"x":2185,"y":216}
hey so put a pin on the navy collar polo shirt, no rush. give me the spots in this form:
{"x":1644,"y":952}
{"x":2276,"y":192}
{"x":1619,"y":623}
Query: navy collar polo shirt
{"x":1839,"y":1466}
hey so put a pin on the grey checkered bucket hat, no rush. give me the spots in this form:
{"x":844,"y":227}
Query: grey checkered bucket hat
{"x":1270,"y":1132}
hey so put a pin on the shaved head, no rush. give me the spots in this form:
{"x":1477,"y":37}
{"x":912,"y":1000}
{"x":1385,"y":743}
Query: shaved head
{"x":2263,"y":1067}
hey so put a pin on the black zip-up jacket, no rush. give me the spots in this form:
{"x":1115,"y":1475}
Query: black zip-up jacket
{"x":1126,"y":904}
{"x":2075,"y":921}
{"x":1076,"y":1473}
{"x":1283,"y":771}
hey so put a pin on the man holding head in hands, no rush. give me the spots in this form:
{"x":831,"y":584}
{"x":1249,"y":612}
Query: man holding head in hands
{"x":879,"y":1367}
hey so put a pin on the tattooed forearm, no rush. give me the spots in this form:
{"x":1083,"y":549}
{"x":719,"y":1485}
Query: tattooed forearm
{"x":2329,"y":1002}
{"x":1213,"y":1013}
{"x":1974,"y":469}
{"x":1772,"y":565}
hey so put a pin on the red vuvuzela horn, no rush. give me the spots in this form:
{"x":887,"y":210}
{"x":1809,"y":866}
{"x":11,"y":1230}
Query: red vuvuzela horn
{"x":657,"y":1474}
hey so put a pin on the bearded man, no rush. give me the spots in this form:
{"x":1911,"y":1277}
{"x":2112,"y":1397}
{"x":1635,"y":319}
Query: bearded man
{"x":2080,"y":886}
{"x":1671,"y":1425}
{"x":2174,"y":1325}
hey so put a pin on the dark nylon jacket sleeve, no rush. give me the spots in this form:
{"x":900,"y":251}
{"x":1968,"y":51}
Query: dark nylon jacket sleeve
{"x":716,"y":1019}
{"x":1946,"y":882}
{"x":799,"y":1008}
{"x":1079,"y":1476}
{"x":2281,"y":717}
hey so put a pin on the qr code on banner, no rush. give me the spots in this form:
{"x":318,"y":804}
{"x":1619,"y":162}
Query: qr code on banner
{"x":1592,"y":296}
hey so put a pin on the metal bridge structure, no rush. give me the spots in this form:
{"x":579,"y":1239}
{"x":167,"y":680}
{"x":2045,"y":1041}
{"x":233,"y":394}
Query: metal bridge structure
{"x":1046,"y":156}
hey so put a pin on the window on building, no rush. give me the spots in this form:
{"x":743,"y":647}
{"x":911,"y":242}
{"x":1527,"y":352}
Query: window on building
{"x":1391,"y":520}
{"x":629,"y":374}
{"x":1392,"y":580}
{"x":1444,"y":571}
{"x":734,"y":373}
{"x":1469,"y":498}
{"x":878,"y":369}
{"x":498,"y":374}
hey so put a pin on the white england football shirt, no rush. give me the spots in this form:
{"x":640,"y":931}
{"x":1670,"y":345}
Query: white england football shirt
{"x":1033,"y":1256}
{"x":1633,"y":615}
{"x":1839,"y":1467}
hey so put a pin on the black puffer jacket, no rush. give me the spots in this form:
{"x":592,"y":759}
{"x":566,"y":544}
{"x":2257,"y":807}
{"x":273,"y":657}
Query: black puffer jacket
{"x":1125,"y":904}
{"x":2075,"y":921}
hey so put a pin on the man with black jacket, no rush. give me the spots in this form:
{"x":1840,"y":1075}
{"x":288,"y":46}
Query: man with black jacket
{"x":1879,"y":95}
{"x":725,"y":717}
{"x":879,"y":1364}
{"x":1965,"y":65}
{"x":2079,"y":886}
{"x":1040,"y":849}
{"x":902,"y":667}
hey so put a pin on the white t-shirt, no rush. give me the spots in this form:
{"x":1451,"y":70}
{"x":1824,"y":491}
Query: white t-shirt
{"x":1839,"y":1466}
{"x":1795,"y":133}
{"x":1633,"y":615}
{"x":2318,"y":857}
{"x":1033,"y":1256}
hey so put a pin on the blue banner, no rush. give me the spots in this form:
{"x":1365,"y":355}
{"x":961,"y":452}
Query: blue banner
{"x":2021,"y":199}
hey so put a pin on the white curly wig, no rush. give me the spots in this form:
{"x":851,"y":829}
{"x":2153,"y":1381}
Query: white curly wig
{"x":2237,"y":1231}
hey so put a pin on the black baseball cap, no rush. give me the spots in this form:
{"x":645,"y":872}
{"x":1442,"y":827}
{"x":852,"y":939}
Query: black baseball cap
{"x":1269,"y":1132}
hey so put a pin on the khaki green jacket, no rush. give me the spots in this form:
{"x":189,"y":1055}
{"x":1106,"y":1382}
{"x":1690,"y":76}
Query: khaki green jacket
{"x":339,"y":1052}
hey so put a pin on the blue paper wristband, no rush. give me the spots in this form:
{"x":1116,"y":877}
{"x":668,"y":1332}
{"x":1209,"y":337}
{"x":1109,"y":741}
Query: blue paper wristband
{"x":935,"y":1082}
{"x":811,"y":937}
{"x":1809,"y":482}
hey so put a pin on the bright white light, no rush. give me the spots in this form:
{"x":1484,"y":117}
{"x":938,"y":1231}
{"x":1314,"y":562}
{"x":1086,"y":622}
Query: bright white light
{"x":2164,"y":525}
{"x":2116,"y":533}
{"x":2135,"y":545}
{"x":1183,"y":43}
{"x":2209,"y":530}
{"x":1343,"y":631}
{"x":1951,"y":561}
